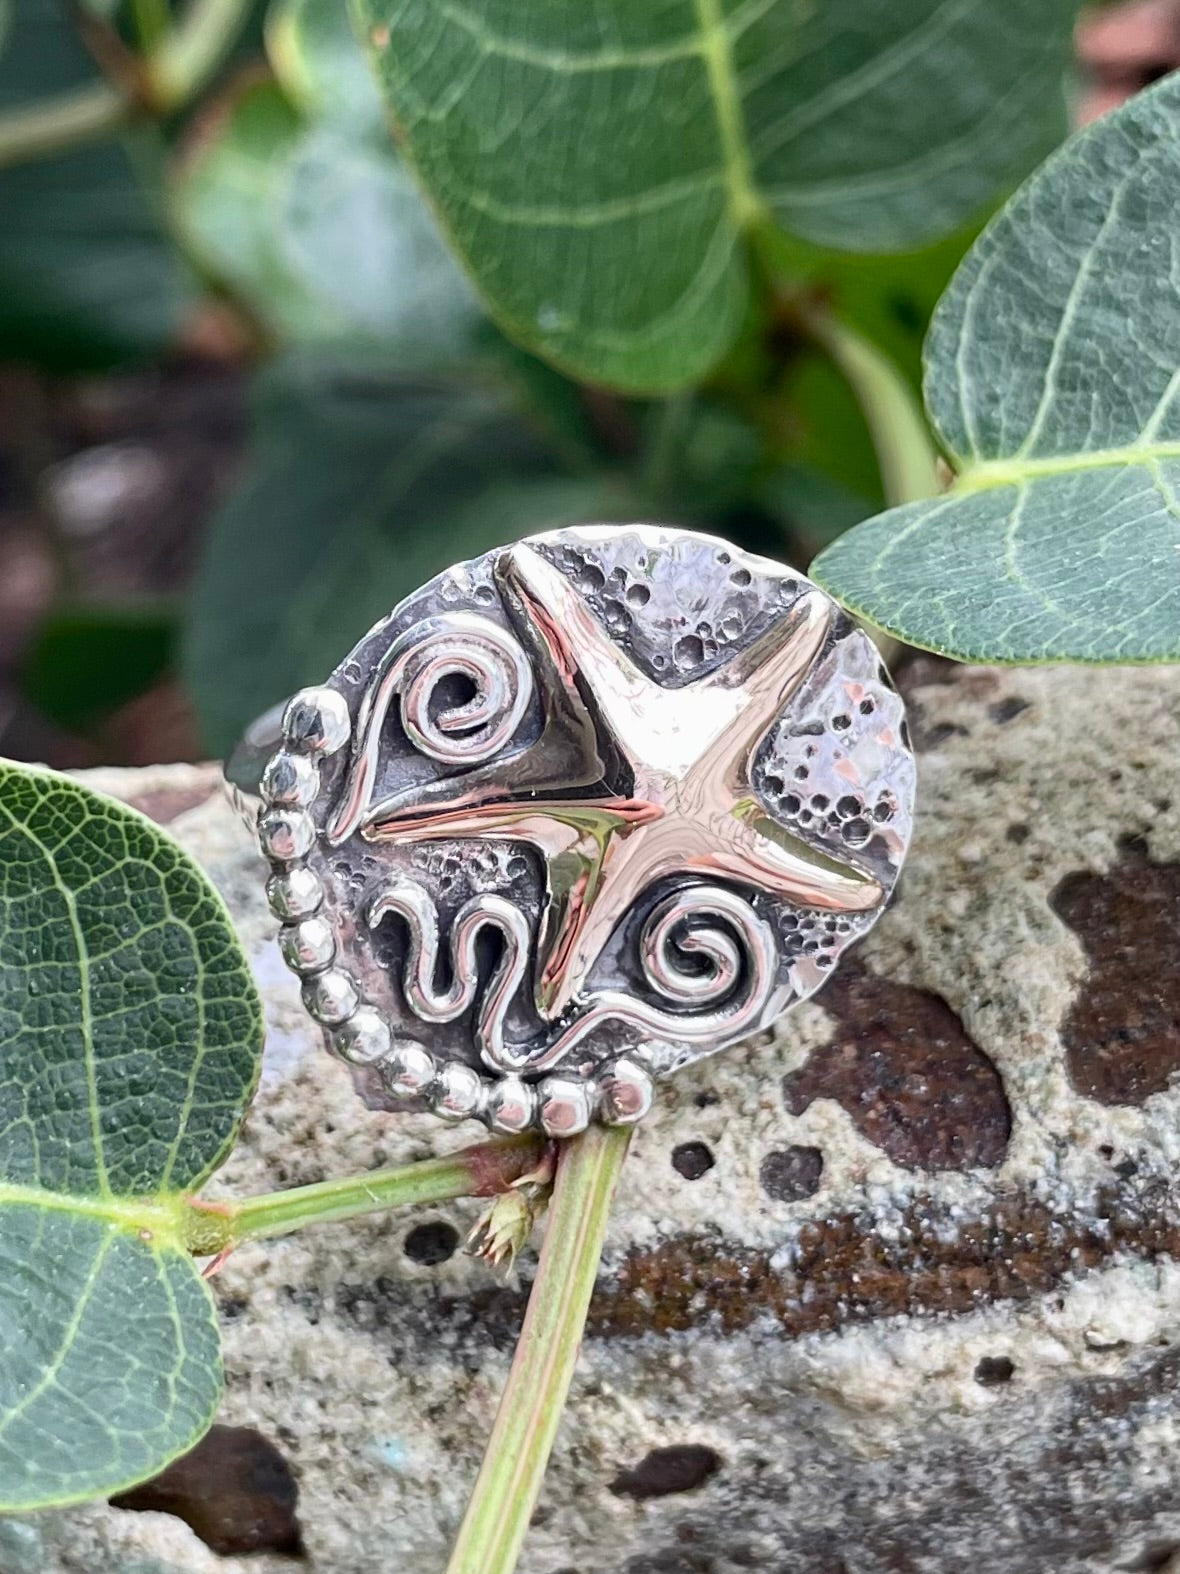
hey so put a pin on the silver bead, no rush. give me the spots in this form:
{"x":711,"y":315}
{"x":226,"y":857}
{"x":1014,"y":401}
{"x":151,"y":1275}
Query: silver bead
{"x":316,"y":721}
{"x":295,"y":893}
{"x":626,"y":1090}
{"x":409,"y":1071}
{"x":290,"y":779}
{"x":308,"y":946}
{"x":459,"y":1092}
{"x":364,"y":1039}
{"x":512,"y":1105}
{"x":566,"y":1106}
{"x":286,"y":834}
{"x":331,"y":997}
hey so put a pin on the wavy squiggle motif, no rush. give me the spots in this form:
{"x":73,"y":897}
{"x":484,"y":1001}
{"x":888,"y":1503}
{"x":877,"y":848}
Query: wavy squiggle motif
{"x":738,"y":948}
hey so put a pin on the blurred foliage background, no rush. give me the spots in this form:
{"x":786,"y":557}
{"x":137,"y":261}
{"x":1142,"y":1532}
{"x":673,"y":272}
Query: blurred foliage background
{"x":249,"y":397}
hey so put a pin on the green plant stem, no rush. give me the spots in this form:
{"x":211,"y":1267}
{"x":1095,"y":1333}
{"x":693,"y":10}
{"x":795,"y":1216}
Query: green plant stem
{"x":905,"y":452}
{"x":152,"y":21}
{"x":61,"y":122}
{"x":191,"y":51}
{"x":510,"y":1477}
{"x":211,"y":1227}
{"x":176,"y":64}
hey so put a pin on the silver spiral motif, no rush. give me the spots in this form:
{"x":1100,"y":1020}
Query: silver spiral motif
{"x":738,"y":946}
{"x":750,"y":946}
{"x":459,"y":644}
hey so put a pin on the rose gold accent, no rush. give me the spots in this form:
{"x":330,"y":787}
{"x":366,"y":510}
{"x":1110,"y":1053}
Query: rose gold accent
{"x":681,"y":759}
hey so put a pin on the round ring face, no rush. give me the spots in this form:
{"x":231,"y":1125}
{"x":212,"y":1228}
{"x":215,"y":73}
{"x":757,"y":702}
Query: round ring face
{"x":578,"y":812}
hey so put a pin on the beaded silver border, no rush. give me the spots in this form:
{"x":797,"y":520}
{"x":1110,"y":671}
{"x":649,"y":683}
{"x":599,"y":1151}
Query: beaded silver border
{"x":316,"y":724}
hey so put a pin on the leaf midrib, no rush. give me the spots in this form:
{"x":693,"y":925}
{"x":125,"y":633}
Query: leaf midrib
{"x":747,"y":208}
{"x":987,"y":474}
{"x":156,"y":1220}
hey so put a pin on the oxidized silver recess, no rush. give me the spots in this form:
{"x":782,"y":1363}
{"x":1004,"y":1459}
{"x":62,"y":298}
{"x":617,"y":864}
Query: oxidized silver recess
{"x":578,"y":812}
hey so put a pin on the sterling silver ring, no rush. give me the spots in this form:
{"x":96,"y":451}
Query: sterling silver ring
{"x":576,"y":813}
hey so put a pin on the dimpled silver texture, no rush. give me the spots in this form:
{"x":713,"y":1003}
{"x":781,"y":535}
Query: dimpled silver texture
{"x":583,"y":810}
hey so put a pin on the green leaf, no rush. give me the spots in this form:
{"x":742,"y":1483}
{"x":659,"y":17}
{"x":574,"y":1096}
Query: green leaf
{"x":87,"y":277}
{"x":86,"y":661}
{"x":130,"y":1033}
{"x":321,"y":231}
{"x":600,"y":168}
{"x":112,"y":1362}
{"x":1053,"y":378}
{"x":361,"y":488}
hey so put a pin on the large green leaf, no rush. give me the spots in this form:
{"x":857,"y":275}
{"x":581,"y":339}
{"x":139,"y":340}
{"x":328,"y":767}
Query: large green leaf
{"x":87,"y":276}
{"x":129,"y":1041}
{"x":1053,"y":378}
{"x":361,"y":488}
{"x":600,"y":165}
{"x":297,"y":200}
{"x":321,"y":231}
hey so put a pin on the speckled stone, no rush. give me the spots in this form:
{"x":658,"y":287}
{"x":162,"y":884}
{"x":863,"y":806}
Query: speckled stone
{"x":957,"y":1344}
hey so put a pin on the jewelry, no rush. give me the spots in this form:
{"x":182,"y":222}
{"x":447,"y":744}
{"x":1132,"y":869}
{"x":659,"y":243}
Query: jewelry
{"x":577,"y":813}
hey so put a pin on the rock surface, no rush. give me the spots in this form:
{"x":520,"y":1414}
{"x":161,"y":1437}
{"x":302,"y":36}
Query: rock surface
{"x":890,"y":1292}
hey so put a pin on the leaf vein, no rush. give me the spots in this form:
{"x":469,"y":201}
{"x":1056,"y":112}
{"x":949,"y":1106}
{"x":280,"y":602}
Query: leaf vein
{"x":69,"y":1334}
{"x":85,"y":1008}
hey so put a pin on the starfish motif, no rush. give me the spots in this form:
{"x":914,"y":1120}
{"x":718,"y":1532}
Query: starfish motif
{"x":631,"y":782}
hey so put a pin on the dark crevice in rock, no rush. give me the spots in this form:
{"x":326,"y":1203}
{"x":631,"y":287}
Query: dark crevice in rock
{"x":431,"y":1243}
{"x":912,"y":1080}
{"x":1008,"y":709}
{"x":663,"y":1471}
{"x":790,"y":1174}
{"x":692,"y":1160}
{"x":234,"y":1490}
{"x":1122,"y":1033}
{"x":993,"y":1370}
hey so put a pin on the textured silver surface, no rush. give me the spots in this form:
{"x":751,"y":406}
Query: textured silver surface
{"x":578,"y":812}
